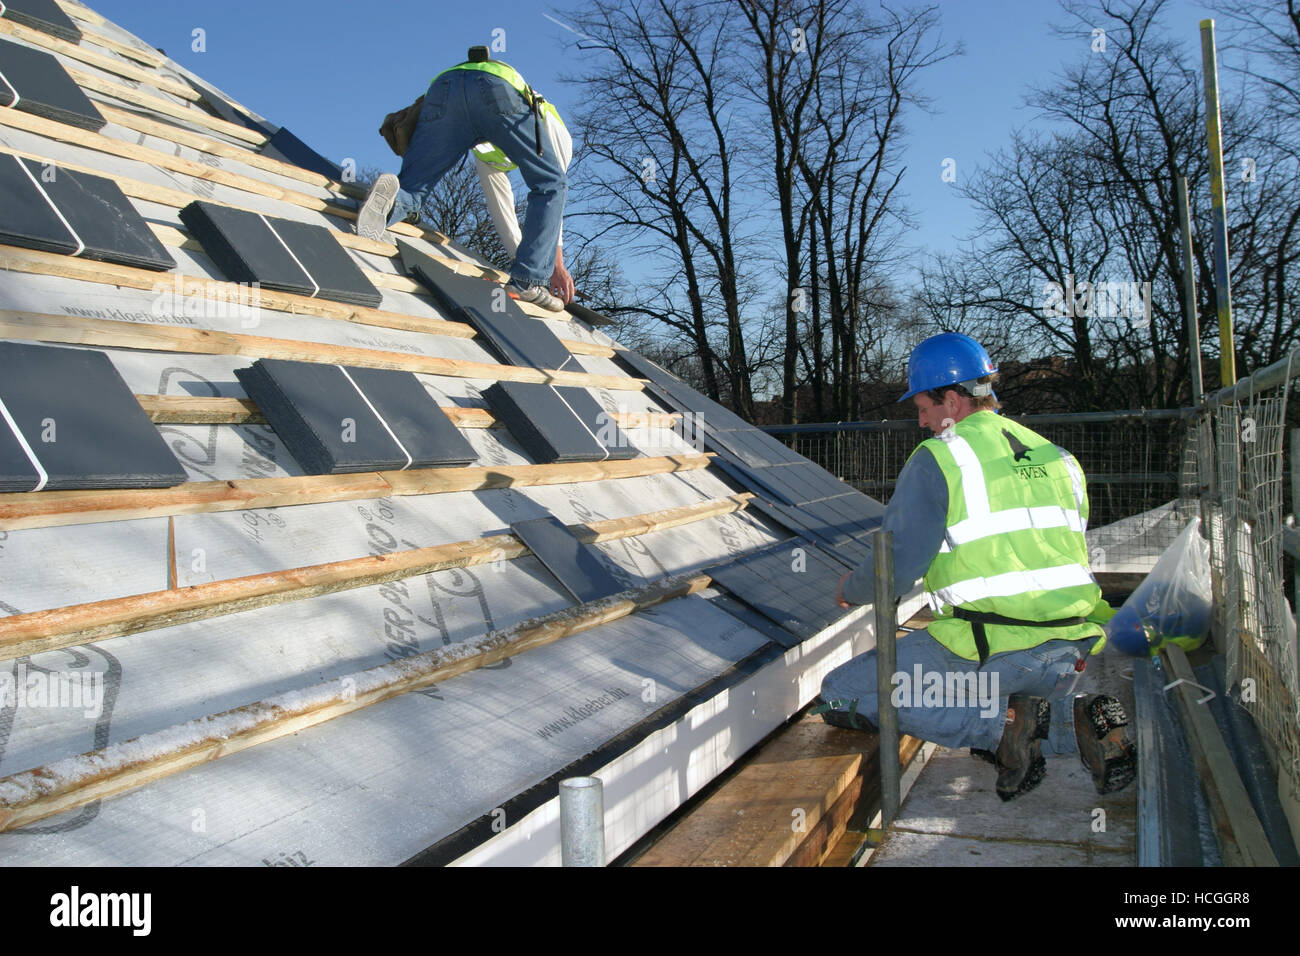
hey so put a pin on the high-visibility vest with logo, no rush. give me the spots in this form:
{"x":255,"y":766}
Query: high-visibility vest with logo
{"x":490,"y":154}
{"x":1014,"y":537}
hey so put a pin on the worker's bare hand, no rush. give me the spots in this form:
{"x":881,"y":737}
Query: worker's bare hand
{"x":839,"y":591}
{"x":562,"y":283}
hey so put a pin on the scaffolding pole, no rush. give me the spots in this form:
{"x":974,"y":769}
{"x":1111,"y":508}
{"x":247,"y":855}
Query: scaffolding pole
{"x":1222,"y":283}
{"x":882,"y":553}
{"x":1189,"y":292}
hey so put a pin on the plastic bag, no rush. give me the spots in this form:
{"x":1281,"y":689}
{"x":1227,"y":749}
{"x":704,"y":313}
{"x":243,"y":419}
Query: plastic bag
{"x":1171,"y":604}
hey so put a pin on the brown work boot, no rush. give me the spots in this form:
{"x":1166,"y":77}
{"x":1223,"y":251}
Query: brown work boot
{"x":1020,"y":762}
{"x":1100,"y":729}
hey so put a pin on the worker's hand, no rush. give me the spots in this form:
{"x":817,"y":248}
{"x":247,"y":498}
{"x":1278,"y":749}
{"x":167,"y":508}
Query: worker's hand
{"x":562,"y":282}
{"x":839,"y":591}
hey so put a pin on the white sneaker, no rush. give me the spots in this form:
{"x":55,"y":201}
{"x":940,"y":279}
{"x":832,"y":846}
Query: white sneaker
{"x":372,"y":217}
{"x":536,"y":294}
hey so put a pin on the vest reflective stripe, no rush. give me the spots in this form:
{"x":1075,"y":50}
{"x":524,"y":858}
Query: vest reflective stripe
{"x":1015,"y":519}
{"x":494,"y":157}
{"x":1076,"y":478}
{"x":497,"y":159}
{"x":1017,"y":506}
{"x":972,"y":475}
{"x":981,"y":522}
{"x":1014,"y":582}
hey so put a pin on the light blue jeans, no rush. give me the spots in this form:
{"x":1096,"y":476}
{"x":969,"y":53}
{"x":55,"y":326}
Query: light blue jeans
{"x":466,"y":107}
{"x":956,"y":703}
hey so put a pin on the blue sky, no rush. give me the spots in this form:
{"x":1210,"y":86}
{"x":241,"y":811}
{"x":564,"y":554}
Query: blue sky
{"x":330,"y":70}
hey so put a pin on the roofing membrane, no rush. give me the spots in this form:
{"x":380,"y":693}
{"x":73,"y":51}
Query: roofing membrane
{"x":277,"y":657}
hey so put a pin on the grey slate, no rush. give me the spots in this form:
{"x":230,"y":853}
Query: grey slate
{"x":516,"y":337}
{"x":558,"y":424}
{"x":590,"y":316}
{"x":27,"y":219}
{"x":838,"y":543}
{"x":575,"y":565}
{"x":761,"y":463}
{"x":94,"y":207}
{"x":309,"y":407}
{"x":467,"y":253}
{"x":248,"y":247}
{"x":43,"y":15}
{"x":223,"y":110}
{"x":80,"y":420}
{"x":750,"y":444}
{"x":860,"y":514}
{"x":522,"y":341}
{"x":716,"y":416}
{"x":288,"y":148}
{"x":801,"y":601}
{"x":452,"y":290}
{"x":43,"y":87}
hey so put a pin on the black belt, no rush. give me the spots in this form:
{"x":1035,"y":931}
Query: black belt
{"x":979,"y":618}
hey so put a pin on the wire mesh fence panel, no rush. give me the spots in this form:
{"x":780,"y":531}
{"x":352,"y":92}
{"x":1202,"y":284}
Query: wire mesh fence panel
{"x":1253,"y":615}
{"x":1243,"y":476}
{"x":1132,"y":462}
{"x":869,"y":460}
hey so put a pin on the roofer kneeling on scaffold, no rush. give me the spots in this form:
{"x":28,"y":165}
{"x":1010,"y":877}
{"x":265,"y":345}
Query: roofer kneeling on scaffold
{"x":992,"y":516}
{"x":486,"y":106}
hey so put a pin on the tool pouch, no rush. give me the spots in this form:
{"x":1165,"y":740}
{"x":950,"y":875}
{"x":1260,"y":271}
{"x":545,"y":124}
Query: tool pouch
{"x":398,"y":127}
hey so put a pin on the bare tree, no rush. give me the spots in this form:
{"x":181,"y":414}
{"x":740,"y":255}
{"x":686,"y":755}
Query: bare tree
{"x":705,"y":112}
{"x":1086,"y":207}
{"x":1268,"y":38}
{"x":851,"y":187}
{"x":658,"y":166}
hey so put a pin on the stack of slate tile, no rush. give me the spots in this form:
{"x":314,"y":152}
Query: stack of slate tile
{"x":68,"y":421}
{"x":590,"y":316}
{"x":35,"y":82}
{"x":558,"y":423}
{"x":278,"y":254}
{"x":338,"y":419}
{"x":513,"y":335}
{"x":43,"y":15}
{"x":288,"y":148}
{"x":466,"y":253}
{"x":54,"y":209}
{"x":223,"y":110}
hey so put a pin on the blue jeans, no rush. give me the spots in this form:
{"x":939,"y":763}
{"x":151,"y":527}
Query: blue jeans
{"x":466,"y":107}
{"x":956,"y":703}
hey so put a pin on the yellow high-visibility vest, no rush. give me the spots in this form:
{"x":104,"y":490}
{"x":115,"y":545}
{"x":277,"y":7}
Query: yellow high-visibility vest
{"x":1014,"y":541}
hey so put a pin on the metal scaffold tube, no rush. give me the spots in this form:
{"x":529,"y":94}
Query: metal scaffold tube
{"x":1189,"y":292}
{"x":582,"y":822}
{"x":1222,"y":279}
{"x":1275,"y":375}
{"x":882,"y":550}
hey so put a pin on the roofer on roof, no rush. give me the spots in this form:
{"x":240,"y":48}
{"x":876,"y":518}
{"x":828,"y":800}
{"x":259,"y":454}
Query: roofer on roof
{"x":992,"y":515}
{"x":486,"y":106}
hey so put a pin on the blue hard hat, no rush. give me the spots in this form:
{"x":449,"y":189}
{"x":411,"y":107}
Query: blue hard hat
{"x":949,"y":358}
